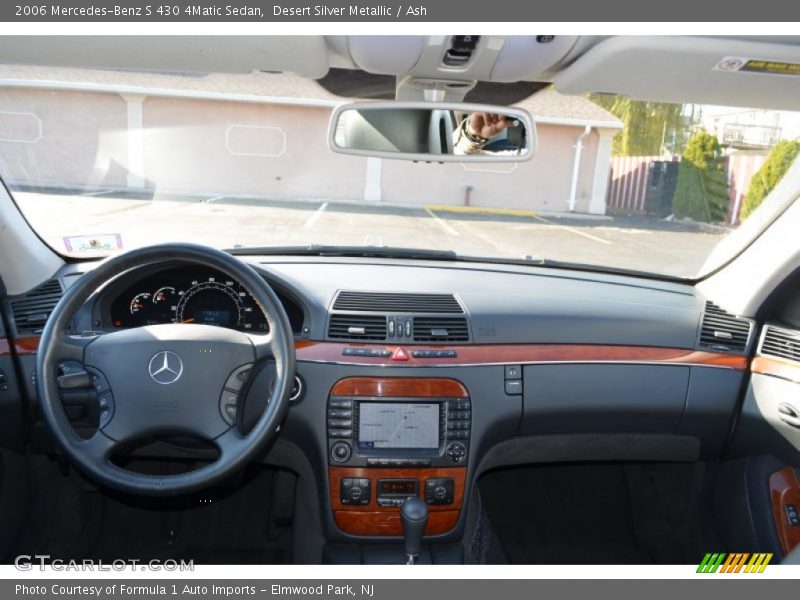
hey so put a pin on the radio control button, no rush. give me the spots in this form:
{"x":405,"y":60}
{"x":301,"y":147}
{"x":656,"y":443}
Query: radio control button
{"x":456,"y":452}
{"x":238,"y":378}
{"x":340,"y":413}
{"x":340,"y":433}
{"x":339,"y":403}
{"x":340,"y":452}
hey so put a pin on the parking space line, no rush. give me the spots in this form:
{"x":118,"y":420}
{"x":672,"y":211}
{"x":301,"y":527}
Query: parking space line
{"x":573,"y":230}
{"x":315,"y":215}
{"x":479,"y":234}
{"x":441,"y":222}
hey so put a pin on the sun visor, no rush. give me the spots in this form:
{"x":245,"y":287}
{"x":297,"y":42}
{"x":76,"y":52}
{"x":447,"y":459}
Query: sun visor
{"x":305,"y":55}
{"x":702,"y":70}
{"x":386,"y":54}
{"x":527,"y":56}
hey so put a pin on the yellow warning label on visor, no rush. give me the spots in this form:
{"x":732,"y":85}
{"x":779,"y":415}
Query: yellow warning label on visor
{"x":753,"y":65}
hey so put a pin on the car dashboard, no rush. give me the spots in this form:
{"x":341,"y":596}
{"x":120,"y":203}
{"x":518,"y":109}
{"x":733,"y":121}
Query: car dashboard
{"x":416,"y":377}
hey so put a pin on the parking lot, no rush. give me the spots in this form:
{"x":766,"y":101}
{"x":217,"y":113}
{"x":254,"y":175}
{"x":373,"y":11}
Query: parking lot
{"x":638,"y":243}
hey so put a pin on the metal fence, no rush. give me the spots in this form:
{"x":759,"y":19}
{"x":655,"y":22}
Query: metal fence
{"x":632,"y":179}
{"x":630,"y":176}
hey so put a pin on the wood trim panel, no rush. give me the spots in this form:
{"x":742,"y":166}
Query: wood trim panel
{"x":767,"y":365}
{"x":524,"y":353}
{"x":5,"y":348}
{"x":23,"y":346}
{"x":496,"y":354}
{"x":784,"y":488}
{"x":399,"y":387}
{"x":373,"y":519}
{"x":383,"y":524}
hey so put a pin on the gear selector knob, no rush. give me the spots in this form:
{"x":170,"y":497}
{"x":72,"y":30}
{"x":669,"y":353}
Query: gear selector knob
{"x":414,"y":515}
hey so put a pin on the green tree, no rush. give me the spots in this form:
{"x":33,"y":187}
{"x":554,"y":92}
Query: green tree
{"x":649,"y":126}
{"x":781,"y":157}
{"x":701,"y":192}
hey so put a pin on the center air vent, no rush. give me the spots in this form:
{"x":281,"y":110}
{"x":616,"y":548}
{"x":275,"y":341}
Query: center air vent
{"x":440,"y":330}
{"x":30,"y":312}
{"x":783,"y":343}
{"x":722,"y":331}
{"x":357,"y":327}
{"x":392,"y":302}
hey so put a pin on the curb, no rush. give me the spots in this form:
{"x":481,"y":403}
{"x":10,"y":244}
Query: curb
{"x":478,"y":210}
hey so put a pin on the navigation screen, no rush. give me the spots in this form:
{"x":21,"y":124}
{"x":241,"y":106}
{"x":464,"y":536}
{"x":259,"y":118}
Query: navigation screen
{"x":402,"y":425}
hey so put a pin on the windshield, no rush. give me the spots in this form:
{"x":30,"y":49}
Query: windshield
{"x":103,"y":161}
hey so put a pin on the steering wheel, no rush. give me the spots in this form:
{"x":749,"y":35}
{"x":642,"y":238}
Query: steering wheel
{"x":163,"y":379}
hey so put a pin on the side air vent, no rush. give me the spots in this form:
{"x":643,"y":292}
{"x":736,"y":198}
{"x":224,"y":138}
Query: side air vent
{"x":357,"y":327}
{"x":30,"y":312}
{"x":397,"y":302}
{"x":440,"y":330}
{"x":783,"y":343}
{"x":723,"y":332}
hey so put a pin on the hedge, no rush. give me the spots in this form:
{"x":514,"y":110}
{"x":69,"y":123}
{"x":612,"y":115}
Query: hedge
{"x":781,"y":157}
{"x":701,"y":193}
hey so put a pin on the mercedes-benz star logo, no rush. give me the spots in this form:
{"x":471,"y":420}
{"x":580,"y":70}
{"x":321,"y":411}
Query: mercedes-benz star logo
{"x":165,"y":367}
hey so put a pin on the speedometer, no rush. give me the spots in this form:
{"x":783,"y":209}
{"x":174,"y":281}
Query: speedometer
{"x":211,"y":303}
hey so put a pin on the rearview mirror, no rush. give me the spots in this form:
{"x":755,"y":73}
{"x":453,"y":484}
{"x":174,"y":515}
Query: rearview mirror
{"x":432,"y":131}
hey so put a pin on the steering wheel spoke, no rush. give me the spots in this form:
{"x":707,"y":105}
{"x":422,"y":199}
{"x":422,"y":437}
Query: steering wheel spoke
{"x":98,"y":448}
{"x":72,"y":347}
{"x":229,"y":443}
{"x":263,"y":345}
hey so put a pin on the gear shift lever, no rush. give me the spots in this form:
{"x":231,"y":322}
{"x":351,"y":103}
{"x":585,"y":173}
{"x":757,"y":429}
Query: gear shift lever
{"x":414,"y":515}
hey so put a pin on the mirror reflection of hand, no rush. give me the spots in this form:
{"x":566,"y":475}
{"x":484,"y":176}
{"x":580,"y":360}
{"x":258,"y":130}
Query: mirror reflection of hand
{"x":487,"y":125}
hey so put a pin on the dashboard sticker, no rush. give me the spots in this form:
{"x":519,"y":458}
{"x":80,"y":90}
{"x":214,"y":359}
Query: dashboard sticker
{"x":751,"y":65}
{"x":93,"y":243}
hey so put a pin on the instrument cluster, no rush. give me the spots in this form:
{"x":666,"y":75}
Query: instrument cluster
{"x":191,"y":295}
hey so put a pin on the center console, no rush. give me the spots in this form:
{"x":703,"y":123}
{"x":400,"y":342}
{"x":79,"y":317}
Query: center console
{"x":392,"y":438}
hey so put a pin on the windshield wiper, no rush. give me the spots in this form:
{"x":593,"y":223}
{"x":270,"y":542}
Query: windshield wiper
{"x":357,"y":251}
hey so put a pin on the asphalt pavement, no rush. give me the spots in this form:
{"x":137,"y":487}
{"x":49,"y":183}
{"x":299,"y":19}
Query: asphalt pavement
{"x":631,"y":242}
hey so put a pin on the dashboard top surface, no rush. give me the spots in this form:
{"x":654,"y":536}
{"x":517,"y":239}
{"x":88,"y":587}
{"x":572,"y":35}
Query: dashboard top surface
{"x":504,"y":304}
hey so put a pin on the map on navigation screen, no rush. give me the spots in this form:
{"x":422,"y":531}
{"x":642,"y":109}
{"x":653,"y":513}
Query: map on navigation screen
{"x":401,"y":425}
